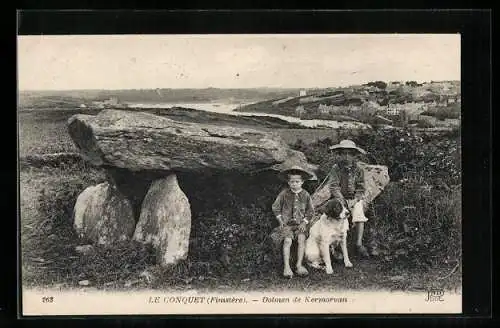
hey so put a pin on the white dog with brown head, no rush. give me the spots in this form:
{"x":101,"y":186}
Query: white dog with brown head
{"x":330,"y":230}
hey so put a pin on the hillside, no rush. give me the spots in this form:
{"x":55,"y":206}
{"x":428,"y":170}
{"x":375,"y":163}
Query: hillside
{"x":373,"y":103}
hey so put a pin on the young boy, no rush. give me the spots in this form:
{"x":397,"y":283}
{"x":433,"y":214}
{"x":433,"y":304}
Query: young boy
{"x":347,"y":184}
{"x":293,"y":209}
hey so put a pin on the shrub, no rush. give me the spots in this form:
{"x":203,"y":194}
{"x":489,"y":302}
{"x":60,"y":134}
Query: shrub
{"x":444,"y":112}
{"x":318,"y":153}
{"x":416,"y":226}
{"x":412,"y":83}
{"x":123,"y":261}
{"x":420,"y":157}
{"x":424,"y":124}
{"x":239,"y":242}
{"x":378,"y":84}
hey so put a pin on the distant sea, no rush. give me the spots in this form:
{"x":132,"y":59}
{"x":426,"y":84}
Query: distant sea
{"x":210,"y":107}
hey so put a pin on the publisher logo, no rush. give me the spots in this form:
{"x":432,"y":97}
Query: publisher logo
{"x":435,"y":295}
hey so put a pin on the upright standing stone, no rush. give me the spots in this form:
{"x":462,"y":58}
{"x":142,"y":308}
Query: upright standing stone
{"x":165,"y":221}
{"x":103,"y":215}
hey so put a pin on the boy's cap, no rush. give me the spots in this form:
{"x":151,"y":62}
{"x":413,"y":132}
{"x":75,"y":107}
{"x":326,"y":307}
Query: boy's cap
{"x":306,"y":175}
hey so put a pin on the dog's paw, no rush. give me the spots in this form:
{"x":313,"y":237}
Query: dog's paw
{"x":315,"y":265}
{"x":302,"y":271}
{"x":329,"y":271}
{"x":348,"y":264}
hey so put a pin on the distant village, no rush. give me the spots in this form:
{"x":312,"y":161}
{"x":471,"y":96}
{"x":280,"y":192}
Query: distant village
{"x":388,"y":102}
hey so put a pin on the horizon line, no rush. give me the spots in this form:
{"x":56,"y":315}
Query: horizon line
{"x":230,"y":88}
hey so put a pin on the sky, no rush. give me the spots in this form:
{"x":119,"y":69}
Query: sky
{"x":74,"y":62}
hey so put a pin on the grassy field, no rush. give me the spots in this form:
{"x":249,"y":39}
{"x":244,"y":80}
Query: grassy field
{"x":48,"y":242}
{"x":43,"y":134}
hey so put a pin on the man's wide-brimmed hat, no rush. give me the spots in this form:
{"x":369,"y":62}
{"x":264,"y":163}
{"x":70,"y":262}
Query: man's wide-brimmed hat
{"x":347,"y":144}
{"x":306,"y":175}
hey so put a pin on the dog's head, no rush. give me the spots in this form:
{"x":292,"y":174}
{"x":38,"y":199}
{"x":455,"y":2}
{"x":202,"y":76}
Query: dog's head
{"x":335,"y":209}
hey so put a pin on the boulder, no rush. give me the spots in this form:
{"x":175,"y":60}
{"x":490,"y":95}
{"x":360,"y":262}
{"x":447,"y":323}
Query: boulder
{"x":165,"y":221}
{"x":103,"y":215}
{"x":376,"y":179}
{"x":142,"y":141}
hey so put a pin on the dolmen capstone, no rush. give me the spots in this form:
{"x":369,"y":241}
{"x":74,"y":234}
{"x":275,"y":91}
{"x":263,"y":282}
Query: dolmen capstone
{"x":142,"y":154}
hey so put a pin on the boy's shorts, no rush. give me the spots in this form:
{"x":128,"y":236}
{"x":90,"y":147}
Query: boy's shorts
{"x":280,"y":233}
{"x":292,"y":231}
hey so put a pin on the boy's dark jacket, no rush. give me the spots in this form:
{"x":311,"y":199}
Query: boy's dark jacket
{"x":292,"y":207}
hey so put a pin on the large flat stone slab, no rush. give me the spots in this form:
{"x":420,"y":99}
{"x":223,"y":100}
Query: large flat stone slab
{"x":142,"y":141}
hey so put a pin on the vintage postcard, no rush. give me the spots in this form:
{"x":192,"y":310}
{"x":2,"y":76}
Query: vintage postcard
{"x":240,"y":174}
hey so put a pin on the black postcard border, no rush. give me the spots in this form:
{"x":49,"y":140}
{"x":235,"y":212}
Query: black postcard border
{"x":475,"y":29}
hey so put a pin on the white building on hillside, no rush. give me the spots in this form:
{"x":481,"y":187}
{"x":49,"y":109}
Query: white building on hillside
{"x":393,"y":109}
{"x":299,"y":111}
{"x":325,"y":109}
{"x":302,"y":93}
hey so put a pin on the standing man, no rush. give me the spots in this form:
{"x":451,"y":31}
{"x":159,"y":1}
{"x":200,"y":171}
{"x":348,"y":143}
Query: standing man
{"x":346,"y":182}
